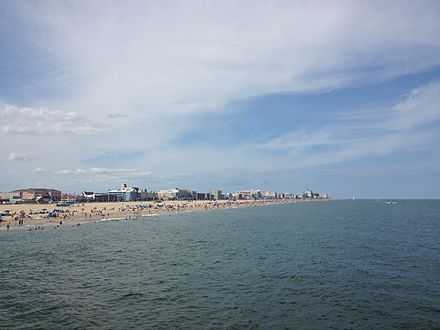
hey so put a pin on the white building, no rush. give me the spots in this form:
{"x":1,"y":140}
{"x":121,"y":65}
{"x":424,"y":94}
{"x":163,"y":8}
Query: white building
{"x":248,"y":194}
{"x":175,"y":194}
{"x":215,"y":194}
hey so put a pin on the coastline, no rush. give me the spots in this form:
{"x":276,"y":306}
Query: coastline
{"x":26,"y":217}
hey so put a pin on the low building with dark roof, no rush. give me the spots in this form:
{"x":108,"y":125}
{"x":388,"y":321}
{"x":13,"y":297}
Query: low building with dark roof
{"x":32,"y":194}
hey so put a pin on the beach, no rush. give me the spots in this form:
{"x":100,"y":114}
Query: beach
{"x":36,"y":216}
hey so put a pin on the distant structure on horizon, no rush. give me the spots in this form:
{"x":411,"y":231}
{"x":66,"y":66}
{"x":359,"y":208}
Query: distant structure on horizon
{"x":248,"y":194}
{"x":215,"y":194}
{"x":31,"y":195}
{"x":132,"y":194}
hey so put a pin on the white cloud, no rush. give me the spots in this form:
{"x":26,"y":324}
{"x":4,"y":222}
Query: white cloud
{"x":140,"y":174}
{"x":101,"y":170}
{"x":147,"y":67}
{"x":305,"y":139}
{"x":420,"y":108}
{"x":192,"y":56}
{"x":399,"y":127}
{"x":95,"y":170}
{"x":38,"y":170}
{"x":25,"y":120}
{"x":17,"y":156}
{"x":116,"y":115}
{"x":65,"y":172}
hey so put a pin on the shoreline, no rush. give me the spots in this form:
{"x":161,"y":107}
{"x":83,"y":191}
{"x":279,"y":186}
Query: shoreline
{"x":78,"y":214}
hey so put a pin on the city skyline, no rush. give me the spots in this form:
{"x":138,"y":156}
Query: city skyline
{"x":340,"y":96}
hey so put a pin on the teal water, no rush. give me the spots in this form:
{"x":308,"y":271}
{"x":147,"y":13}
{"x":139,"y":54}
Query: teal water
{"x":336,"y":264}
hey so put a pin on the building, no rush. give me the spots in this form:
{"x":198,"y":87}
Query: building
{"x":9,"y":197}
{"x":175,"y":194}
{"x":289,"y":195}
{"x":69,"y":198}
{"x":148,"y":195}
{"x":248,"y":194}
{"x":280,"y":196}
{"x":201,"y":196}
{"x":215,"y":195}
{"x":270,"y":195}
{"x":107,"y":197}
{"x":90,"y":196}
{"x":168,"y":194}
{"x":124,"y":194}
{"x":228,"y":196}
{"x":32,"y":195}
{"x":308,"y":194}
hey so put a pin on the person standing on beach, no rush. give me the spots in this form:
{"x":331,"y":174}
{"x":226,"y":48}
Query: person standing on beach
{"x":7,"y":226}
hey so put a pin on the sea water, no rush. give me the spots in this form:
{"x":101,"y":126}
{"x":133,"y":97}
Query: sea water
{"x":335,"y":264}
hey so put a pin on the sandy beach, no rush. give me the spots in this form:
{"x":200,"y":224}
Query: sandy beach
{"x":37,"y":216}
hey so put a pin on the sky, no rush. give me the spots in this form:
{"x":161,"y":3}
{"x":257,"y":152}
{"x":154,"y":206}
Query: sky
{"x":342,"y":97}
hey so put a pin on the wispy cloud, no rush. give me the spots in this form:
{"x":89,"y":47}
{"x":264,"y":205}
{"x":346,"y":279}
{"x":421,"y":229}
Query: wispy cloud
{"x":39,"y":170}
{"x":306,"y":139}
{"x":400,"y":127}
{"x":17,"y":156}
{"x":25,"y":120}
{"x":75,"y":171}
{"x":102,"y":170}
{"x":117,"y":115}
{"x":131,"y":172}
{"x":422,"y":107}
{"x":169,"y":58}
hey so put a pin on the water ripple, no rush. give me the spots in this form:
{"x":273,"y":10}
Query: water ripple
{"x":341,"y":264}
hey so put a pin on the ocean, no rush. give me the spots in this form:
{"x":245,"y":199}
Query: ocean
{"x":335,"y":264}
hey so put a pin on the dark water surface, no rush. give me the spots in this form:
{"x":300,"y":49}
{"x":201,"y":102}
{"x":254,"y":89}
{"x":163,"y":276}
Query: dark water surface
{"x":337,"y":264}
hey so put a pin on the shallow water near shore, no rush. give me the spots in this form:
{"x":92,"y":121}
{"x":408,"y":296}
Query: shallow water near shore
{"x":340,"y":264}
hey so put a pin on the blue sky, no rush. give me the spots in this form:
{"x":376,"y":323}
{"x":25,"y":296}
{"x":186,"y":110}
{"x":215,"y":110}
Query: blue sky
{"x":340,"y":97}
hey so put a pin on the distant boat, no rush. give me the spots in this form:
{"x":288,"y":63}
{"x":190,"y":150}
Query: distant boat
{"x":390,"y":202}
{"x":354,"y":198}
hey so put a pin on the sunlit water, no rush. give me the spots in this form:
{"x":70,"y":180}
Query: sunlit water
{"x":340,"y":264}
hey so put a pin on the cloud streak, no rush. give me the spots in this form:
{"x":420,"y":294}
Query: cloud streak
{"x":401,"y":127}
{"x":17,"y":156}
{"x":129,"y":172}
{"x":25,"y":120}
{"x":422,"y":107}
{"x":192,"y":56}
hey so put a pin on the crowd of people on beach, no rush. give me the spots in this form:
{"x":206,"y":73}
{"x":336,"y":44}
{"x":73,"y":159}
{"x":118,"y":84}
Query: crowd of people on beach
{"x":76,"y":213}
